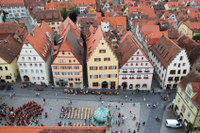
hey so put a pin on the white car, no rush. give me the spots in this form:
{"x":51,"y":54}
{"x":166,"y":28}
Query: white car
{"x":172,"y":123}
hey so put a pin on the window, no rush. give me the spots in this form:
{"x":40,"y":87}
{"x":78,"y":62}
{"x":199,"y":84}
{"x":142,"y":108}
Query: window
{"x":38,"y":78}
{"x":22,"y":58}
{"x":53,"y":28}
{"x":24,"y":64}
{"x":146,"y":64}
{"x":189,"y":90}
{"x":74,"y":60}
{"x":182,"y":77}
{"x":102,"y":51}
{"x":41,"y":71}
{"x":63,"y":67}
{"x":173,"y":72}
{"x":62,"y":61}
{"x":6,"y":68}
{"x":183,"y":64}
{"x":146,"y":70}
{"x":36,"y":65}
{"x":29,"y":58}
{"x":77,"y":73}
{"x":95,"y":84}
{"x":189,"y":114}
{"x":170,"y":79}
{"x":181,"y":58}
{"x":102,"y":67}
{"x":146,"y":76}
{"x":139,"y":70}
{"x":137,"y":52}
{"x":64,"y":73}
{"x":42,"y":78}
{"x":26,"y":71}
{"x":93,"y":68}
{"x":113,"y":75}
{"x":69,"y":67}
{"x":106,"y":59}
{"x":138,"y":77}
{"x":183,"y":108}
{"x":103,"y":76}
{"x":97,"y":59}
{"x":37,"y":71}
{"x":124,"y":77}
{"x":131,"y":77}
{"x":32,"y":71}
{"x":181,"y":92}
{"x":70,"y":73}
{"x":192,"y":105}
{"x":22,"y":71}
{"x":1,"y":69}
{"x":33,"y":78}
{"x":112,"y":67}
{"x":34,"y":58}
{"x":174,"y":64}
{"x":124,"y":70}
{"x":57,"y":73}
{"x":53,"y":23}
{"x":31,"y":65}
{"x":179,"y":64}
{"x":76,"y":67}
{"x":176,"y":78}
{"x":20,"y":64}
{"x":187,"y":98}
{"x":184,"y":71}
{"x":93,"y":76}
{"x":132,"y":70}
{"x":40,"y":65}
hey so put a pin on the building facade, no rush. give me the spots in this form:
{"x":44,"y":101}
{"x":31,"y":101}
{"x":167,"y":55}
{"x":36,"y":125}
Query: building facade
{"x":186,"y":104}
{"x":135,"y":69}
{"x":15,"y":9}
{"x":102,"y":64}
{"x":170,"y":61}
{"x":36,"y":55}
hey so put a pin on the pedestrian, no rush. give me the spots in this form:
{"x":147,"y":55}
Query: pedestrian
{"x":122,"y":104}
{"x":52,"y":87}
{"x":129,"y":130}
{"x":42,"y":125}
{"x":143,"y":123}
{"x":41,"y":83}
{"x":116,"y":106}
{"x":139,"y":125}
{"x":12,"y":87}
{"x":144,"y":99}
{"x":116,"y":121}
{"x":45,"y":114}
{"x":133,"y":104}
{"x":24,"y":85}
{"x":85,"y":120}
{"x":43,"y":100}
{"x":70,"y":101}
{"x":138,"y":129}
{"x":130,"y":112}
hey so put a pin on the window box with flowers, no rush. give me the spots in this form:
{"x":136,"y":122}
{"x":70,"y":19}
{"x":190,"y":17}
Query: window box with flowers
{"x":146,"y":77}
{"x":146,"y":71}
{"x":131,"y":77}
{"x":138,"y":78}
{"x":124,"y":71}
{"x":124,"y":78}
{"x":132,"y":71}
{"x":139,"y":71}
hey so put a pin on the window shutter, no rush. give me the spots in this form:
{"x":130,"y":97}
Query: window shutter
{"x":100,"y":68}
{"x":116,"y":76}
{"x":100,"y":76}
{"x":109,"y":67}
{"x":99,"y":59}
{"x":90,"y":68}
{"x":104,"y":51}
{"x":95,"y":59}
{"x":104,"y":59}
{"x":99,"y":51}
{"x":108,"y":59}
{"x":108,"y":75}
{"x":90,"y":76}
{"x":115,"y":67}
{"x":97,"y":76}
{"x":106,"y":67}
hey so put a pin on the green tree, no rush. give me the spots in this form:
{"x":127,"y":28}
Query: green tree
{"x":196,"y":37}
{"x":166,"y":0}
{"x":23,"y":26}
{"x":4,"y":16}
{"x":189,"y":126}
{"x":74,"y":11}
{"x":64,"y":13}
{"x":48,"y":1}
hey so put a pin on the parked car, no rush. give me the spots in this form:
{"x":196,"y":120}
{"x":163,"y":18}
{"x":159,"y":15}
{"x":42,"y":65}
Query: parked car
{"x":173,"y":123}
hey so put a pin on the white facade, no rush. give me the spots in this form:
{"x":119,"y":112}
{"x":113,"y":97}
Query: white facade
{"x":172,"y":17}
{"x":170,"y":76}
{"x":136,"y":73}
{"x":15,"y":12}
{"x":82,"y":8}
{"x":32,"y":67}
{"x":105,"y":26}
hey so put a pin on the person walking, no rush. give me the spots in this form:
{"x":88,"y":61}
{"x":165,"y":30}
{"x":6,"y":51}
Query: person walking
{"x":122,"y":104}
{"x":43,"y":100}
{"x":45,"y":114}
{"x":71,"y":102}
{"x":138,"y":129}
{"x":143,"y":123}
{"x":116,"y":106}
{"x":139,"y":125}
{"x":130,"y":112}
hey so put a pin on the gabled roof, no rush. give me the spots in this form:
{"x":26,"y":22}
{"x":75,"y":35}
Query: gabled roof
{"x":165,"y":50}
{"x":11,"y":3}
{"x":113,"y":14}
{"x":39,"y":40}
{"x":192,"y":48}
{"x":126,"y":49}
{"x":146,"y":10}
{"x":172,"y":4}
{"x":192,"y":76}
{"x":9,"y":49}
{"x":192,"y":25}
{"x":54,"y":16}
{"x":93,"y":40}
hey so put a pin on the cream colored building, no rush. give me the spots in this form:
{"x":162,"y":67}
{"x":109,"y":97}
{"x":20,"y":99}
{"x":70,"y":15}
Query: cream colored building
{"x":9,"y":53}
{"x":186,"y":104}
{"x":102,"y":64}
{"x":189,"y":28}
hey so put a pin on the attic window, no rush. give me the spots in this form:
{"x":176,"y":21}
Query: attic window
{"x":45,"y":51}
{"x":16,"y":4}
{"x":43,"y":55}
{"x":102,"y":43}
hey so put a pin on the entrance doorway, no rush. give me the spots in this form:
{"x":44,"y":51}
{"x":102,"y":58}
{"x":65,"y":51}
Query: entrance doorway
{"x":70,"y":84}
{"x":124,"y":85}
{"x":168,"y":86}
{"x":104,"y":84}
{"x":112,"y":85}
{"x":26,"y":78}
{"x":3,"y":81}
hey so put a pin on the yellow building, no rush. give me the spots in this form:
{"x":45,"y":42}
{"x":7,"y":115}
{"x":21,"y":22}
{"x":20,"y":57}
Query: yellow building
{"x":68,"y":59}
{"x":126,"y":11}
{"x":187,"y":101}
{"x":189,"y":28}
{"x":92,"y":9}
{"x":102,"y":63}
{"x":9,"y":52}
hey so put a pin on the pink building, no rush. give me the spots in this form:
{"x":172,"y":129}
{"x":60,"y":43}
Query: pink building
{"x":135,"y":69}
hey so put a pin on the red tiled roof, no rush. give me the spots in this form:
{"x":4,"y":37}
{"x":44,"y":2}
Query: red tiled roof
{"x":113,"y":14}
{"x":146,"y":10}
{"x":39,"y":41}
{"x":192,"y":48}
{"x":11,"y":28}
{"x":57,"y":129}
{"x":11,"y":3}
{"x":180,"y":2}
{"x":154,"y":37}
{"x":192,"y":25}
{"x":196,"y":86}
{"x":172,"y":4}
{"x":196,"y":100}
{"x":192,"y":76}
{"x":54,"y":16}
{"x":9,"y":49}
{"x":113,"y":21}
{"x":165,"y":50}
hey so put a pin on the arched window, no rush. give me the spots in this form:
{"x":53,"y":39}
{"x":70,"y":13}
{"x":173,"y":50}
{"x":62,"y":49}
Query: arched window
{"x":131,"y":86}
{"x":137,"y":86}
{"x":144,"y":86}
{"x":8,"y":77}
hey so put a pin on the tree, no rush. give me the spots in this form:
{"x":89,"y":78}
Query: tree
{"x":74,"y":11}
{"x":189,"y":126}
{"x":23,"y":26}
{"x":196,"y":37}
{"x":4,"y":16}
{"x":48,"y":1}
{"x":64,"y":13}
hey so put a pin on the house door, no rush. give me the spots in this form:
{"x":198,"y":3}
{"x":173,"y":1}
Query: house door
{"x":26,"y":78}
{"x":168,"y":86}
{"x":112,"y":85}
{"x":70,"y":84}
{"x":124,"y":85}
